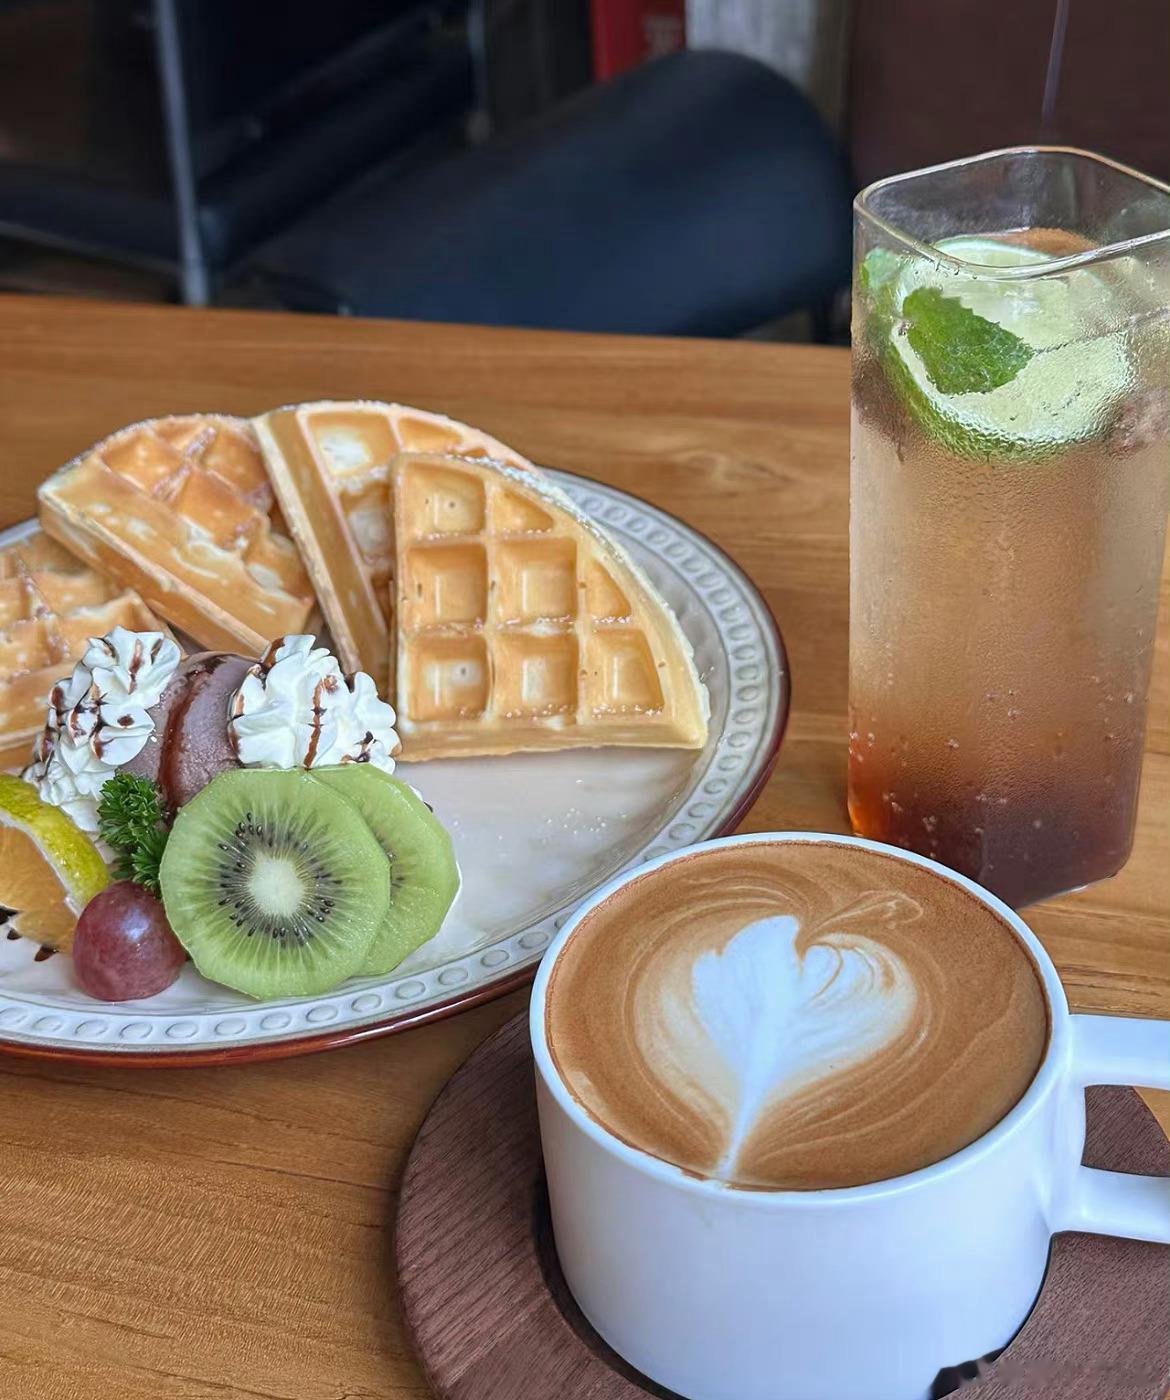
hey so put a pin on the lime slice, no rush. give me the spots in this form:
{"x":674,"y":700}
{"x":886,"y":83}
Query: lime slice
{"x":49,"y":868}
{"x":1009,"y":369}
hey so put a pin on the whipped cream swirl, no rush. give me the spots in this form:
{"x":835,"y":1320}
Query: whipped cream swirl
{"x":296,"y":709}
{"x":98,"y":718}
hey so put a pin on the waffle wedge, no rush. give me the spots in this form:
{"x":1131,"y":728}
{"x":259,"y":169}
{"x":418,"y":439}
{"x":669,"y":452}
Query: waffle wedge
{"x":181,"y":510}
{"x":521,"y":625}
{"x":329,"y":464}
{"x":50,"y":605}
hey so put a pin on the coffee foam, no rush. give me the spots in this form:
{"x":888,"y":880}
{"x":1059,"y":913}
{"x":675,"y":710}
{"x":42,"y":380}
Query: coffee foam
{"x":795,"y":1014}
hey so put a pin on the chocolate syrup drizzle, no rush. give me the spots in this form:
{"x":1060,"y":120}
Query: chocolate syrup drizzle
{"x":268,"y":660}
{"x":325,"y":683}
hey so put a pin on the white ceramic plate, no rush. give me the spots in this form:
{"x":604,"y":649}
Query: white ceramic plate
{"x":533,"y":833}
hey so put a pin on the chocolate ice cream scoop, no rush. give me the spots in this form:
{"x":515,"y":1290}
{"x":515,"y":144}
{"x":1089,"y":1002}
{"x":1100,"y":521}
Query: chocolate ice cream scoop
{"x":190,"y":743}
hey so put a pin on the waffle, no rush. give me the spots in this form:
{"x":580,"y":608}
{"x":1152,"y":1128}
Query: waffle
{"x":521,"y":625}
{"x":329,"y":465}
{"x":50,"y":605}
{"x":181,"y":510}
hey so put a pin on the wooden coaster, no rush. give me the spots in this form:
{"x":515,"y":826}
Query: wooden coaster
{"x":492,"y":1318}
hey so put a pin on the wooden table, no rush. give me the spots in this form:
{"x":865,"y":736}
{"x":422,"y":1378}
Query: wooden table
{"x":193,"y":1234}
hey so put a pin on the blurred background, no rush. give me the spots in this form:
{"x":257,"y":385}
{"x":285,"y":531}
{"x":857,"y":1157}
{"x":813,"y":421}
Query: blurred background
{"x":661,"y":166}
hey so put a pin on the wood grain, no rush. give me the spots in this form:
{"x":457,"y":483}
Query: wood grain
{"x":192,"y":1234}
{"x":493,"y":1317}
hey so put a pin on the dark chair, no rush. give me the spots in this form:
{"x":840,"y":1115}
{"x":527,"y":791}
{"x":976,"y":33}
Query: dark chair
{"x":263,"y":117}
{"x":698,"y":195}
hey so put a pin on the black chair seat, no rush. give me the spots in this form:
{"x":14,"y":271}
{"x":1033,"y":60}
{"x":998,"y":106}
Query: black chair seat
{"x":698,"y":195}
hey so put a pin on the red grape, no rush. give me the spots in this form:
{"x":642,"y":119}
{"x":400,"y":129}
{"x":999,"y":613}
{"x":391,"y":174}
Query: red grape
{"x":123,"y":947}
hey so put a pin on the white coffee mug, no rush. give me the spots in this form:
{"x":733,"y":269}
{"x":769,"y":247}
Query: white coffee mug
{"x":861,"y":1293}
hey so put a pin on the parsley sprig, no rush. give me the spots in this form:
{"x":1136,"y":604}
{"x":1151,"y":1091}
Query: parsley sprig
{"x":131,"y":820}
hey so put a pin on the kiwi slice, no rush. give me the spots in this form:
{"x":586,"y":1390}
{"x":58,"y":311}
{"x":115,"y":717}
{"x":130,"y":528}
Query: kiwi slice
{"x":274,"y":884}
{"x":423,"y":875}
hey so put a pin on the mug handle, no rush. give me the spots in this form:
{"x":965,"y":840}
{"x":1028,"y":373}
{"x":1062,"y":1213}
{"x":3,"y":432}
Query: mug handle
{"x":1118,"y":1050}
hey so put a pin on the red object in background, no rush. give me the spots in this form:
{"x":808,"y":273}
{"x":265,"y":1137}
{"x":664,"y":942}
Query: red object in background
{"x":627,"y":32}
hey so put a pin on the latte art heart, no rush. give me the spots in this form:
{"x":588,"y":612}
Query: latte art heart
{"x":795,"y":1014}
{"x":761,"y":1020}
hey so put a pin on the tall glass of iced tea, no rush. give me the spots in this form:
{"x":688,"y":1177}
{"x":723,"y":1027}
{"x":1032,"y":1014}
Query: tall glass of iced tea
{"x":1010,"y":466}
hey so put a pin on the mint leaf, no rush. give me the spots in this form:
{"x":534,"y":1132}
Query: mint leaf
{"x":961,"y":351}
{"x":877,"y":300}
{"x":877,"y":281}
{"x":879,"y":269}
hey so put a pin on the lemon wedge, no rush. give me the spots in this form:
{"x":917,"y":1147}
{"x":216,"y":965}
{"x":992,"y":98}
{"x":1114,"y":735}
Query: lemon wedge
{"x":49,"y":868}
